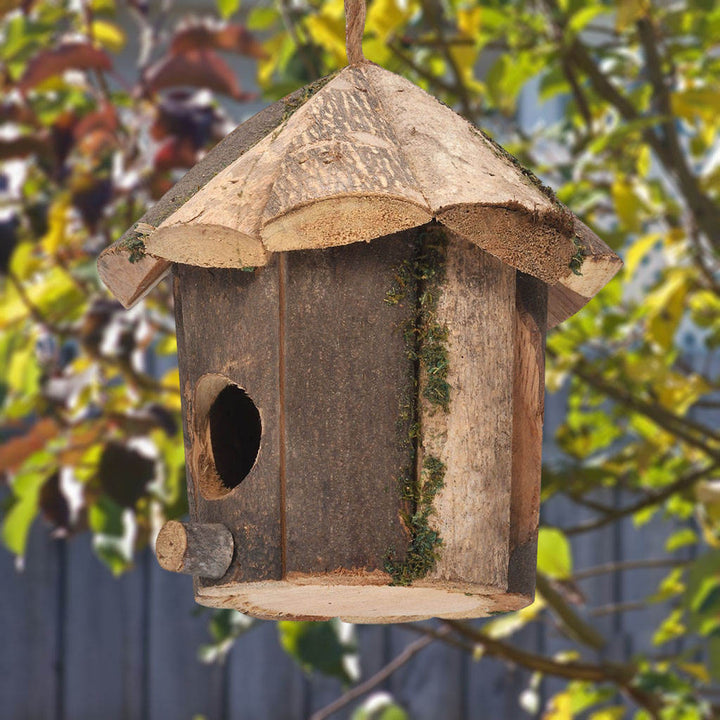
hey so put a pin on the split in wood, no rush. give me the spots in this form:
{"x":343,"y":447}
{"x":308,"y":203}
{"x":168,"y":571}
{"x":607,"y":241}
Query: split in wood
{"x":205,"y":550}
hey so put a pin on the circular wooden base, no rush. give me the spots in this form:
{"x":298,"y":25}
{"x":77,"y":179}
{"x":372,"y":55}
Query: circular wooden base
{"x":323,"y":598}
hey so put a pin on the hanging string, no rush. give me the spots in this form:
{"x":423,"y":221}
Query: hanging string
{"x":354,"y":29}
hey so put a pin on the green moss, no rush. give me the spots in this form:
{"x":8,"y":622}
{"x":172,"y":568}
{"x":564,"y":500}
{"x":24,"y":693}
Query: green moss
{"x":426,"y":340}
{"x":425,"y":542}
{"x":419,"y":282}
{"x":135,"y":243}
{"x":578,"y":258}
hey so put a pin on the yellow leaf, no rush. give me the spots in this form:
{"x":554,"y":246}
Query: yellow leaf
{"x":108,"y":35}
{"x":54,"y":294}
{"x":667,"y":307}
{"x":57,"y":224}
{"x":171,"y":383}
{"x":626,"y":203}
{"x":638,"y":251}
{"x":386,"y":17}
{"x":469,"y":21}
{"x":267,"y":67}
{"x":644,"y":160}
{"x":697,"y":670}
{"x":629,"y":11}
{"x":24,"y":262}
{"x":560,"y":708}
{"x":697,"y":102}
{"x":512,"y":622}
{"x":616,"y":712}
{"x":328,"y":32}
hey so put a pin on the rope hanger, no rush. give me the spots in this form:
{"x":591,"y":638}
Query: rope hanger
{"x":354,"y":29}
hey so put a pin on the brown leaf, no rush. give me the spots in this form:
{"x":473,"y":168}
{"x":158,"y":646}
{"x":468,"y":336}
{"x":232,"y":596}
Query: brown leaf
{"x":103,"y":120}
{"x":233,"y":38}
{"x":200,"y":68}
{"x":14,"y":452}
{"x":176,"y":153}
{"x":20,"y":113}
{"x":68,"y":56}
{"x":7,"y":6}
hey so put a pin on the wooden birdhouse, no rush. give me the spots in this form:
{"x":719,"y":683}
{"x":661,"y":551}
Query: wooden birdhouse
{"x":363,"y":283}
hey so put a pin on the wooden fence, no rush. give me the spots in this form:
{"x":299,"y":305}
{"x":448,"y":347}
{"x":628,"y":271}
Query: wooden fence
{"x":77,"y":644}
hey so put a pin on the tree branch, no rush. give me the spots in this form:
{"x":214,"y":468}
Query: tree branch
{"x":666,"y":145}
{"x":627,"y":565}
{"x":684,"y":428}
{"x":578,"y":628}
{"x":372,"y":682}
{"x":683,"y":483}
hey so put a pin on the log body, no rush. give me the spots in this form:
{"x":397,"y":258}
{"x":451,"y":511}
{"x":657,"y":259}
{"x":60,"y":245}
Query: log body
{"x":325,"y":356}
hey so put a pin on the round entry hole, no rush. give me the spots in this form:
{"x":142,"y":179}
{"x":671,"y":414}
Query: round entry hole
{"x":235,"y":430}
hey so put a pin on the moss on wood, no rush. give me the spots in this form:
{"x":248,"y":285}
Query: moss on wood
{"x":425,"y":542}
{"x":578,"y":258}
{"x":134,"y":242}
{"x":419,"y":281}
{"x":425,"y":338}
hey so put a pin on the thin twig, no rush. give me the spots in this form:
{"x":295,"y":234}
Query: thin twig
{"x":576,"y":626}
{"x":619,"y":608}
{"x":627,"y":565}
{"x":657,"y":498}
{"x":372,"y":682}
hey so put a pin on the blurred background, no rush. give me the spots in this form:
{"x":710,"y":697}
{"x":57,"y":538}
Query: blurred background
{"x":616,"y":105}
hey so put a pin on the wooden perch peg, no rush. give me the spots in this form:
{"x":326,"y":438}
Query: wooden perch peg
{"x":201,"y":549}
{"x":354,"y":29}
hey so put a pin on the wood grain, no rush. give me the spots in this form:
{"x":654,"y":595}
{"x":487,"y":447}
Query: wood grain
{"x":346,"y":374}
{"x":203,"y":549}
{"x":474,"y":439}
{"x":527,"y":430}
{"x":234,"y":338}
{"x":366,"y":155}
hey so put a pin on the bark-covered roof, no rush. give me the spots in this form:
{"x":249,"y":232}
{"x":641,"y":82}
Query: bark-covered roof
{"x":355,"y":157}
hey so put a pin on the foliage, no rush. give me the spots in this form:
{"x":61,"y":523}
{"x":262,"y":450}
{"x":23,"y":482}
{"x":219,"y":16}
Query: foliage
{"x":319,"y":646}
{"x":85,"y":147}
{"x":88,"y":140}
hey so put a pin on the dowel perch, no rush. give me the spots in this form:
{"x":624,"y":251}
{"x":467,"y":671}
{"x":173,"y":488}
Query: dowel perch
{"x":205,"y":550}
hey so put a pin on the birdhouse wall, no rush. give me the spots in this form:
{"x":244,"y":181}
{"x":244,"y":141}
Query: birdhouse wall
{"x":340,"y":351}
{"x":313,"y":343}
{"x":489,"y":437}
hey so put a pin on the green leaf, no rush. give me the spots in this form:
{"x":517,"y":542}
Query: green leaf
{"x":681,"y":538}
{"x":317,"y":646}
{"x":105,"y":516}
{"x":228,"y":7}
{"x":26,"y":487}
{"x":554,"y":553}
{"x":225,"y":627}
{"x":380,"y":706}
{"x":262,"y":18}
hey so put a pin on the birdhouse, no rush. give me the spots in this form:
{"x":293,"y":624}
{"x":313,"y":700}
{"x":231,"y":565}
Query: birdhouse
{"x":363,"y":282}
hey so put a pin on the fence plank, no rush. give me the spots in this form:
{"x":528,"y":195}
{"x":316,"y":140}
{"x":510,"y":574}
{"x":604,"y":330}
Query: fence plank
{"x":104,"y":639}
{"x":264,"y":682}
{"x":29,"y":661}
{"x":431,"y":685}
{"x":180,"y":686}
